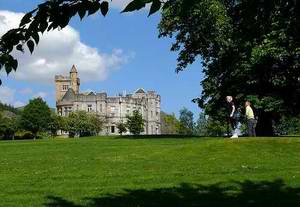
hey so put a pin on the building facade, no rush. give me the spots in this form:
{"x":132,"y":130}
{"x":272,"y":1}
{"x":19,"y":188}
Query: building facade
{"x":113,"y":109}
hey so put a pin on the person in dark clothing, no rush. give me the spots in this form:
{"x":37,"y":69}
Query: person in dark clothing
{"x":231,"y":116}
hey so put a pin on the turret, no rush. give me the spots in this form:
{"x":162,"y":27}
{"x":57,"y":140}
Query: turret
{"x":75,"y":82}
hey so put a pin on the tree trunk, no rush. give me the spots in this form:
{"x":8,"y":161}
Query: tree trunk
{"x":34,"y":135}
{"x":265,"y":124}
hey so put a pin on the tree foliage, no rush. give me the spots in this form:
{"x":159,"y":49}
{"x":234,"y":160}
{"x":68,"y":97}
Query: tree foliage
{"x":186,"y":122}
{"x":135,"y":123}
{"x":82,"y":123}
{"x":288,"y":126}
{"x":8,"y":126}
{"x":36,"y":116}
{"x":250,"y":49}
{"x":7,"y":107}
{"x":169,"y":123}
{"x":55,"y":124}
{"x":121,"y":128}
{"x":200,"y":127}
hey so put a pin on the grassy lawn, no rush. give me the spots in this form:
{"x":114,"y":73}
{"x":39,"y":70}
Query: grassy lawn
{"x":109,"y":172}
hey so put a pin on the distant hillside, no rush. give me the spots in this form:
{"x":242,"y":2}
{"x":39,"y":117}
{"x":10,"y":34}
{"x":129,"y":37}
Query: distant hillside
{"x":9,"y":108}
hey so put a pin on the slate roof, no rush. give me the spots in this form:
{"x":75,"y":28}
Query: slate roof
{"x":140,"y":90}
{"x":69,"y":95}
{"x":73,"y":69}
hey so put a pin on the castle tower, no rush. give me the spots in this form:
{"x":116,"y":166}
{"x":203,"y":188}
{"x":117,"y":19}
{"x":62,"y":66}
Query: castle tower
{"x":75,"y":82}
{"x":63,"y":83}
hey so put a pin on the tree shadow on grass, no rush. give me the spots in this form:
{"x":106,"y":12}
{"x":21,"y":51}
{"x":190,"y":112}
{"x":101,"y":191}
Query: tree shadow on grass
{"x":234,"y":194}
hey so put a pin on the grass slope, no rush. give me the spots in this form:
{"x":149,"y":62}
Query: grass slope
{"x":109,"y":172}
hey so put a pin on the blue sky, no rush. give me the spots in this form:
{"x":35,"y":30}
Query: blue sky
{"x":128,"y":51}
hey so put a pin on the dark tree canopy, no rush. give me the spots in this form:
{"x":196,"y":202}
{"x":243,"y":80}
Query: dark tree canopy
{"x":250,"y":50}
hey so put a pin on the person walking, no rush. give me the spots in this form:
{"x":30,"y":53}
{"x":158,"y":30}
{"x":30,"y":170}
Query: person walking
{"x":231,"y":116}
{"x":251,"y":122}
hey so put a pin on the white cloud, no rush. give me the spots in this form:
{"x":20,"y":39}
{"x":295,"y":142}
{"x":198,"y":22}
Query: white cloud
{"x":18,"y":104}
{"x":25,"y":91}
{"x":7,"y":95}
{"x":40,"y":94}
{"x":57,"y":52}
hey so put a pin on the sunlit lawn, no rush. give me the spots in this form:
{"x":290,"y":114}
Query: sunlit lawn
{"x":107,"y":171}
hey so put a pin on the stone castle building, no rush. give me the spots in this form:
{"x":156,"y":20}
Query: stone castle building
{"x":112,"y":109}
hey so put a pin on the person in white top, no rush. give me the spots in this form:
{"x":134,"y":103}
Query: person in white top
{"x":231,"y":116}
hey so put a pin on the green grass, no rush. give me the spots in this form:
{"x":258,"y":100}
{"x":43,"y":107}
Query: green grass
{"x":150,"y":172}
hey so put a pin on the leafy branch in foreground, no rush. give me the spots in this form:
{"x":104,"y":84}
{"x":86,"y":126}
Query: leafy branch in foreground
{"x":51,"y":15}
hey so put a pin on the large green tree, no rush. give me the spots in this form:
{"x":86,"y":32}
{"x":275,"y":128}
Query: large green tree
{"x":82,"y":124}
{"x":55,"y":124}
{"x":186,"y":120}
{"x":169,"y":123}
{"x":36,"y":116}
{"x":135,"y":123}
{"x":8,"y":126}
{"x":121,"y":128}
{"x":250,"y":49}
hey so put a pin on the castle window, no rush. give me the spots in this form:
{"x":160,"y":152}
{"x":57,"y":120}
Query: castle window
{"x":65,"y":87}
{"x":128,"y":110}
{"x":101,"y":108}
{"x":112,"y":129}
{"x":90,"y":108}
{"x":151,"y":114}
{"x":67,"y":110}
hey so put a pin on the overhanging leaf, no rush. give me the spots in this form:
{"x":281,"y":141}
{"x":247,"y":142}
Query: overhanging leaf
{"x":36,"y":37}
{"x":26,"y":19}
{"x":93,"y":8}
{"x":104,"y":8}
{"x":20,"y":48}
{"x":134,"y":5}
{"x":156,"y":4}
{"x":8,"y":68}
{"x":14,"y":64}
{"x":43,"y":26}
{"x":81,"y":11}
{"x":30,"y":45}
